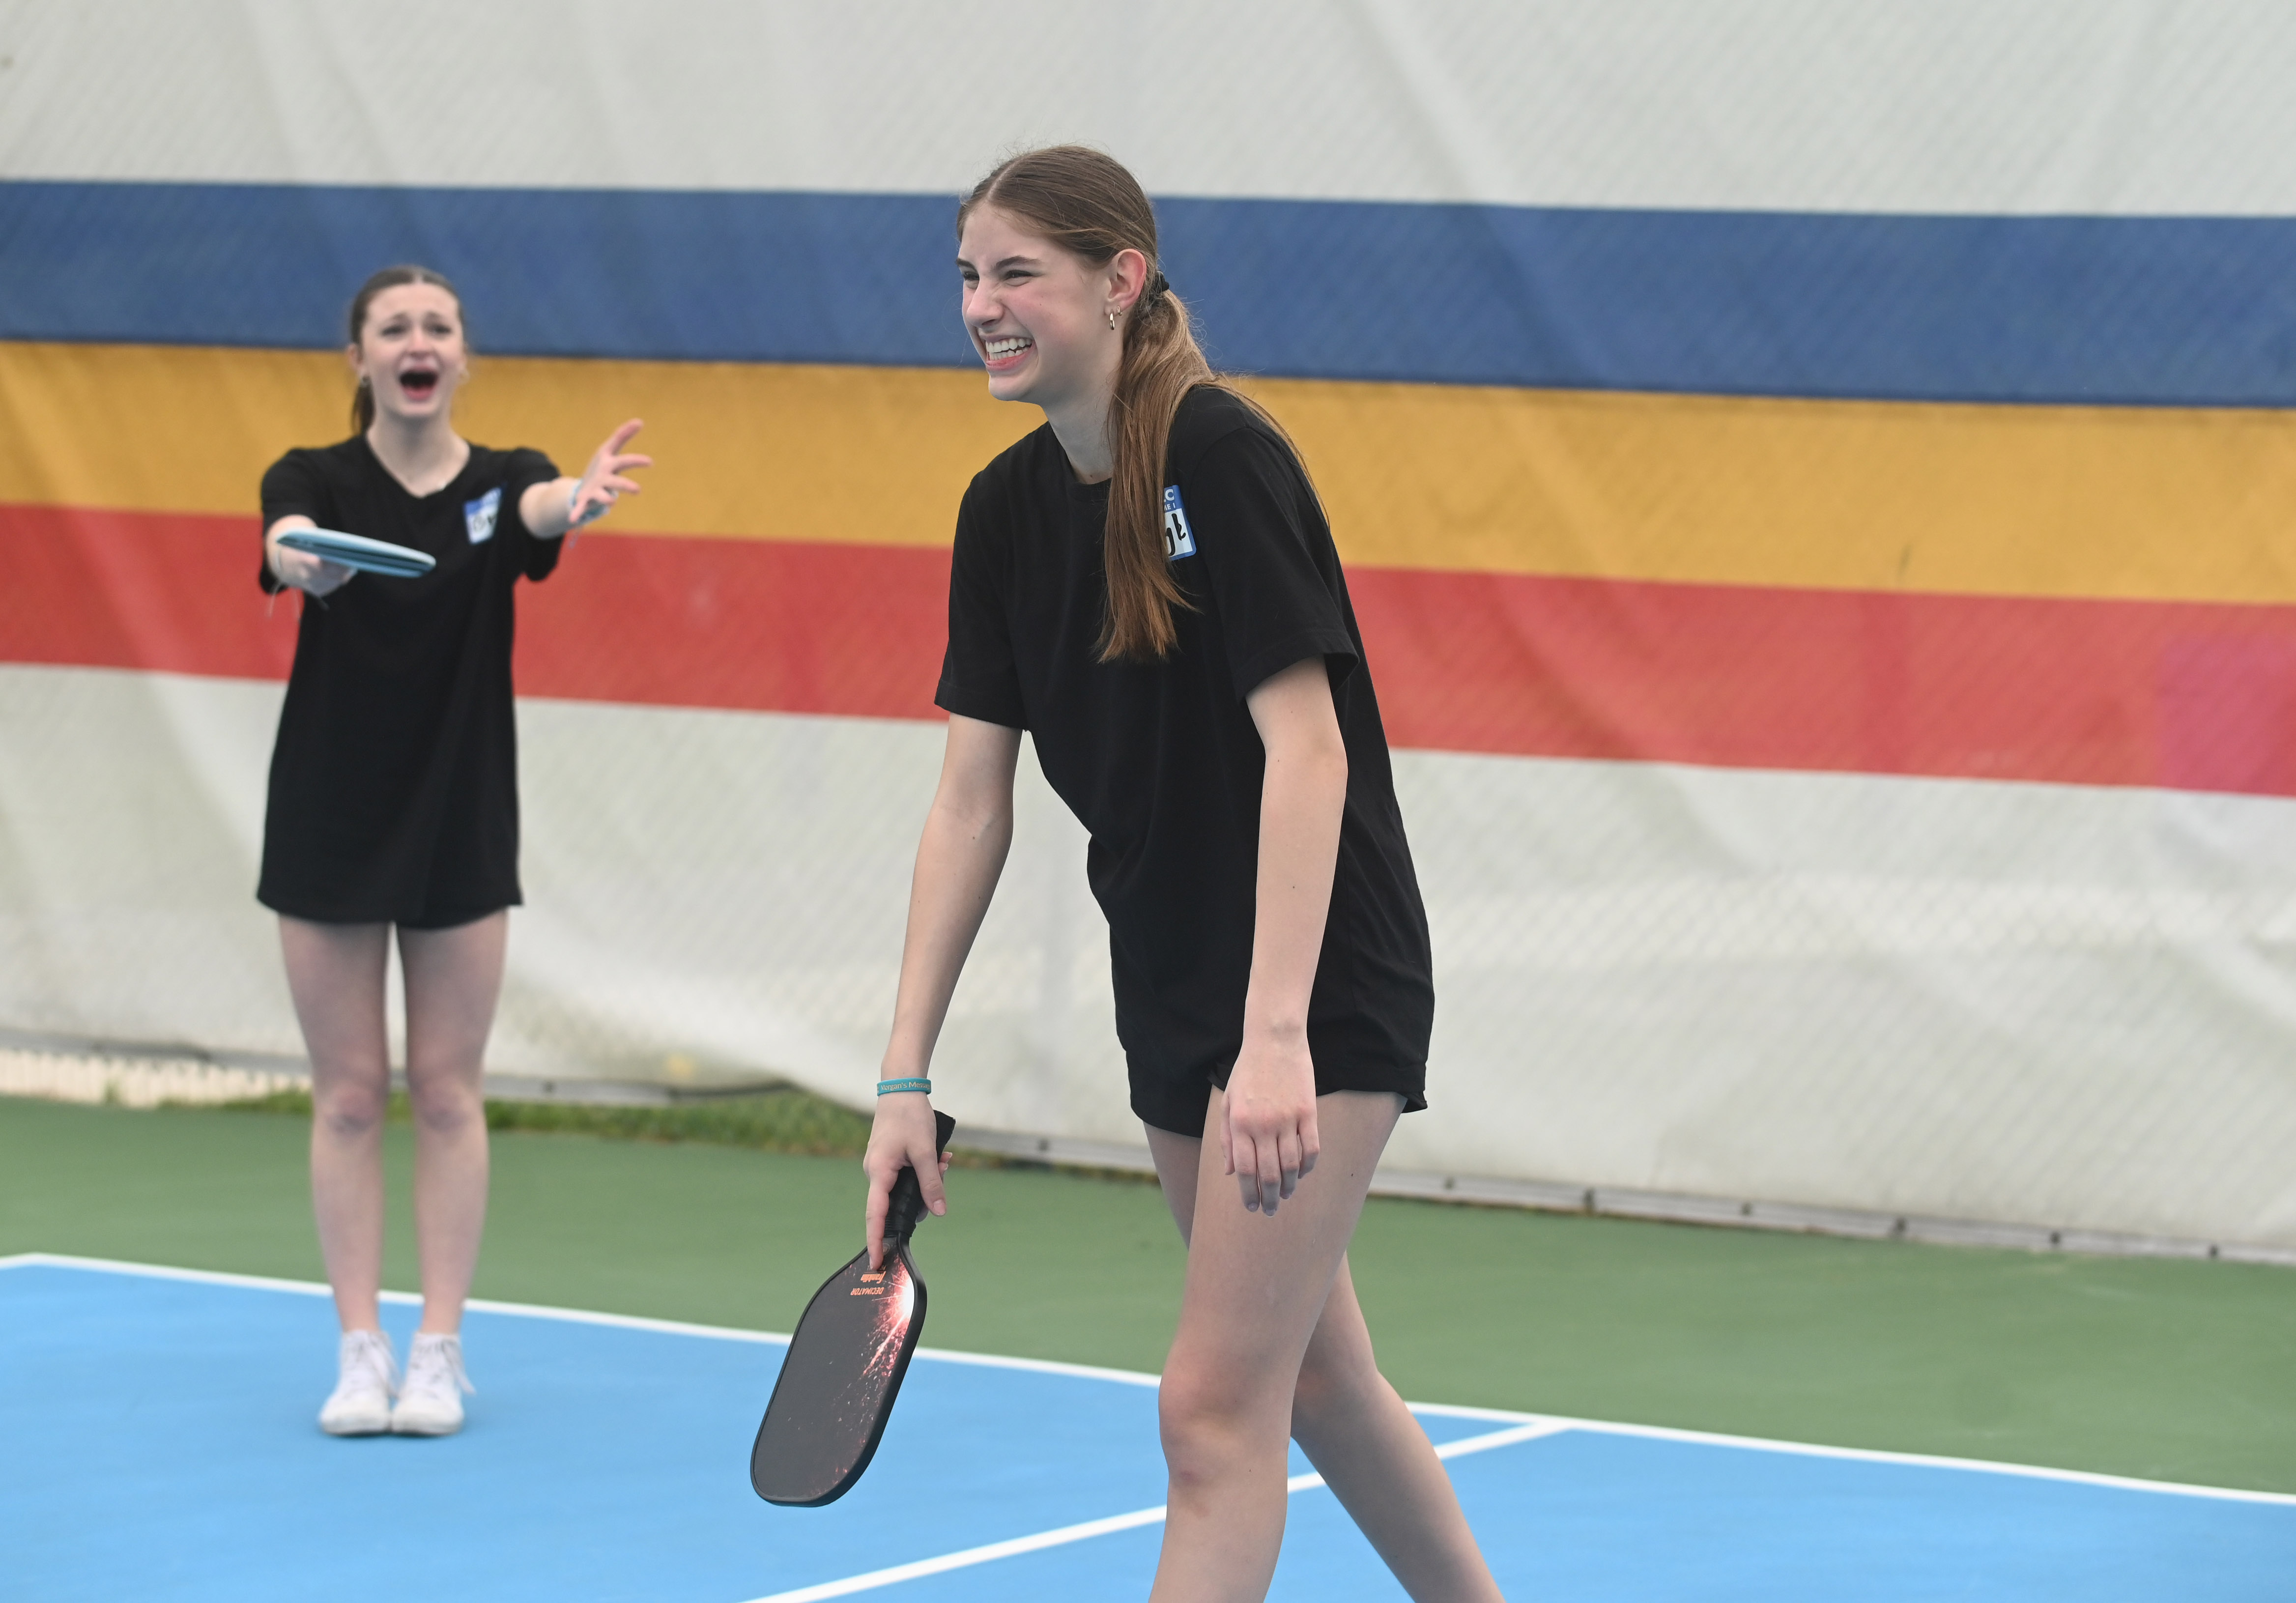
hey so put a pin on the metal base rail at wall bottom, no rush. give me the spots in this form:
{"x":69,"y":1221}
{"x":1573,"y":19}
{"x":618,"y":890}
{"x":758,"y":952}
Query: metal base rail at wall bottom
{"x":239,"y":1073}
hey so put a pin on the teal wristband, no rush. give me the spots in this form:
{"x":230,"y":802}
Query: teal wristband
{"x":887,"y":1087}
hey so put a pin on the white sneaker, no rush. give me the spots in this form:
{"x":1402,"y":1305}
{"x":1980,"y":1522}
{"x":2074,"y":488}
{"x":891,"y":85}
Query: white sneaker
{"x":431,"y":1399}
{"x":366,"y":1373}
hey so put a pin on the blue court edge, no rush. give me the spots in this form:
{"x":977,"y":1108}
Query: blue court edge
{"x":161,"y":1446}
{"x":2157,"y":311}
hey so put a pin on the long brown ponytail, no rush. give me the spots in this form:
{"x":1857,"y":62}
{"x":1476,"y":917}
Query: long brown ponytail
{"x":390,"y":278}
{"x":1087,"y":204}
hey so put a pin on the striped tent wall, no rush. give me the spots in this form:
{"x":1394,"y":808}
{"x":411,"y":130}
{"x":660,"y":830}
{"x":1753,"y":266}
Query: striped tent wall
{"x":1814,"y":480}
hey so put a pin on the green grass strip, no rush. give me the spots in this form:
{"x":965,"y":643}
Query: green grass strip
{"x":785,"y":1120}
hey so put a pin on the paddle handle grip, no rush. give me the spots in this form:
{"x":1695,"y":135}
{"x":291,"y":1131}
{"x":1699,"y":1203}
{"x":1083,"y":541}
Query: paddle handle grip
{"x":906,"y":1205}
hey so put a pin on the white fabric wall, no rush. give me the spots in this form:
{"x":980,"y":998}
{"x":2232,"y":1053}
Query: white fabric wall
{"x":1929,"y":997}
{"x":2091,"y":106}
{"x":2037,"y":1003}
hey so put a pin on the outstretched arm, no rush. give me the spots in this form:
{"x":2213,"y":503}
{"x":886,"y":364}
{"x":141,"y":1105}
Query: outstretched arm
{"x":966,"y":836}
{"x":551,"y":509}
{"x":1269,"y":1136}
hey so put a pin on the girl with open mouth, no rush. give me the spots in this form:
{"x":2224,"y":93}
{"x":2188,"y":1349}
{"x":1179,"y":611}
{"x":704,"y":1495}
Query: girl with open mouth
{"x":393,"y":807}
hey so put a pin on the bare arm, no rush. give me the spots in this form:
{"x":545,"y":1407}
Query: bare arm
{"x":551,"y":509}
{"x":1269,"y":1135}
{"x":959,"y":858}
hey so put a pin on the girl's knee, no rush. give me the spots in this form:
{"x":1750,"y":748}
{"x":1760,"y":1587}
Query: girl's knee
{"x":1204,"y":1413}
{"x":349,"y":1112}
{"x":1192,"y":1392}
{"x":446,"y":1108}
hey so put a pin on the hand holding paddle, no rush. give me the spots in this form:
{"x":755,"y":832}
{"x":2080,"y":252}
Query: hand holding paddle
{"x":605,"y":479}
{"x":903,"y":1137}
{"x":302,"y":571}
{"x":848,"y":1355}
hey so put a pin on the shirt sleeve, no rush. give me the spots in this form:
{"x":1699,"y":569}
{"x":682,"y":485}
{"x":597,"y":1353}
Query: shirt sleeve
{"x":977,"y":677}
{"x":292,"y":487}
{"x":1269,"y":559}
{"x":526,"y":468}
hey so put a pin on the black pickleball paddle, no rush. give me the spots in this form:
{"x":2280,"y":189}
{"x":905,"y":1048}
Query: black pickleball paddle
{"x":845,"y":1364}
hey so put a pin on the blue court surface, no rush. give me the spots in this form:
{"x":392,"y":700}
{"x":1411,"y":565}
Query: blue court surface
{"x":160,"y":1445}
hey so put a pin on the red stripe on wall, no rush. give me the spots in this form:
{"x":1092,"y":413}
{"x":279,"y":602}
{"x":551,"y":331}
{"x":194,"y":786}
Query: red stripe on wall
{"x":770,"y":625}
{"x":2192,"y":695}
{"x":2187,"y":695}
{"x":136,"y":590}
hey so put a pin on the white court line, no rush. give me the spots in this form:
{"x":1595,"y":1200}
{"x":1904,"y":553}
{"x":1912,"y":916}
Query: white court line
{"x":1919,"y":1460}
{"x":1529,"y":1432}
{"x":1608,"y":1427}
{"x":1085,"y":1532}
{"x":1043,"y":1366}
{"x":989,"y":1554}
{"x":478,"y":1304}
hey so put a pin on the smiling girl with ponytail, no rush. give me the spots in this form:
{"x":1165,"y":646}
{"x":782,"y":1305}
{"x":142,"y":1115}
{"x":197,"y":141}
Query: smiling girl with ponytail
{"x":1147,"y":586}
{"x":1089,"y":206}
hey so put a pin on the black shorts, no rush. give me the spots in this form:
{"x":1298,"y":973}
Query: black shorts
{"x":451,"y":918}
{"x":1179,"y":1100}
{"x":422,"y":918}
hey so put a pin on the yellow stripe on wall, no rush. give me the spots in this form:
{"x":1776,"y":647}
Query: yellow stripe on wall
{"x":2041,"y":501}
{"x":2128,"y":502}
{"x":873,"y":454}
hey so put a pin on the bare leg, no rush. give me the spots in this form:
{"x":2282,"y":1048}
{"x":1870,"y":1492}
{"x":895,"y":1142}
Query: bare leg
{"x":1354,"y":1429}
{"x":1333,"y":1399}
{"x":335,"y":974}
{"x":454,"y":978}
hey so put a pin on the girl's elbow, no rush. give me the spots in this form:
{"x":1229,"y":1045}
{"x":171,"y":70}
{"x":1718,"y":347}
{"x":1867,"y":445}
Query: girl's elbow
{"x":984,"y":818}
{"x":1315,"y":757}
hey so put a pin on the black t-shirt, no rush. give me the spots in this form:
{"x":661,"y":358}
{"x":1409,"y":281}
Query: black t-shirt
{"x":1161,"y":762}
{"x":394,"y":783}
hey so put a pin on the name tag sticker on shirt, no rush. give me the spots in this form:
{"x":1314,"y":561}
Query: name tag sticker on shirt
{"x":479,"y":516}
{"x":1179,"y":539}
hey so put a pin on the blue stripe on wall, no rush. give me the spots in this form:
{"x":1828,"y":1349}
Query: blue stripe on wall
{"x":632,"y":272}
{"x":2156,"y":310}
